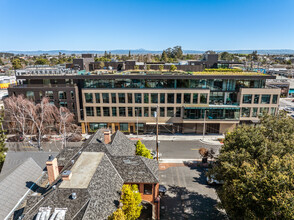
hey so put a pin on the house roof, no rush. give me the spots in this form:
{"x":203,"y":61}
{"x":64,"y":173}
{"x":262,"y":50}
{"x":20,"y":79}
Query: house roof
{"x":17,"y":184}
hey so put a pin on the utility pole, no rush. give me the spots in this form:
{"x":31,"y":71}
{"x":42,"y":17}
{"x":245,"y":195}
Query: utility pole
{"x":204,"y":124}
{"x":157,"y":132}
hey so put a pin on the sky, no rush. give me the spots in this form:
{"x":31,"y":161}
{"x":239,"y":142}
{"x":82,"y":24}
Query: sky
{"x":153,"y":25}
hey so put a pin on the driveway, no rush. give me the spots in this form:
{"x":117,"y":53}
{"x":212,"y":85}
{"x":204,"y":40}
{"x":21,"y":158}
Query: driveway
{"x":188,"y":196}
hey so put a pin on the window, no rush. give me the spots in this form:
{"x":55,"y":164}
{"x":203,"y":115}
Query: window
{"x":265,"y":99}
{"x":61,"y":95}
{"x":138,"y":98}
{"x":89,"y":97}
{"x":72,"y":94}
{"x":97,"y":97}
{"x":130,"y":97}
{"x":203,"y":98}
{"x":98,"y":111}
{"x":162,"y":112}
{"x":162,"y":97}
{"x":123,"y":127}
{"x":187,"y":98}
{"x":63,"y":104}
{"x":246,"y":112}
{"x":146,"y":112}
{"x":122,"y":97}
{"x":105,"y":97}
{"x":89,"y":111}
{"x":275,"y":99}
{"x":106,"y":112}
{"x":130,"y":111}
{"x":114,"y":111}
{"x":113,"y":97}
{"x":138,"y":111}
{"x":170,"y":98}
{"x":254,"y":112}
{"x":273,"y":111}
{"x":170,"y":111}
{"x":256,"y":99}
{"x":247,"y":99}
{"x":154,"y":97}
{"x":122,"y":111}
{"x":178,"y":111}
{"x":195,"y":98}
{"x":146,"y":97}
{"x":179,"y":98}
{"x":30,"y":95}
{"x":49,"y":94}
{"x":147,"y":189}
{"x":263,"y":111}
{"x":153,"y":110}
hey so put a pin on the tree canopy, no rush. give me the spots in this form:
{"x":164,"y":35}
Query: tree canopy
{"x":41,"y":61}
{"x":256,"y":164}
{"x":3,"y":149}
{"x":131,"y":200}
{"x":172,"y":68}
{"x":141,"y":150}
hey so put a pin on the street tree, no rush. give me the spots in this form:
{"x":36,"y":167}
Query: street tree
{"x":131,"y":200}
{"x":172,"y":68}
{"x":257,"y":166}
{"x":141,"y":150}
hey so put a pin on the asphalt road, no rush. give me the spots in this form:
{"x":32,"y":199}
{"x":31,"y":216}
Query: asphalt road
{"x":180,"y":149}
{"x":188,"y":196}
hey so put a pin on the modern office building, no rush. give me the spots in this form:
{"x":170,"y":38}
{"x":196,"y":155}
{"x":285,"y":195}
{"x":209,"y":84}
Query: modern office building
{"x":185,"y":102}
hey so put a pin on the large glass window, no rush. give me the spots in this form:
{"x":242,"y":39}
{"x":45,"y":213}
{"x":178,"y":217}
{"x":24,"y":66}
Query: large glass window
{"x":170,"y":111}
{"x":179,"y":98}
{"x":138,"y":98}
{"x":170,"y":98}
{"x":147,"y":189}
{"x":114,"y":111}
{"x":124,"y":127}
{"x":113,"y":97}
{"x":89,"y":111}
{"x":146,"y":97}
{"x":263,"y":111}
{"x":256,"y":99}
{"x":105,"y":97}
{"x":162,"y":97}
{"x":254,"y":112}
{"x":98,"y":111}
{"x":130,"y":97}
{"x":247,"y":99}
{"x":212,"y":113}
{"x":275,"y":99}
{"x":97,"y":96}
{"x":162,"y":111}
{"x":203,"y":98}
{"x":265,"y":99}
{"x":130,"y":112}
{"x":138,"y":111}
{"x":178,"y":111}
{"x":245,"y":112}
{"x":61,"y":95}
{"x":146,"y":112}
{"x":122,"y":97}
{"x":195,"y":98}
{"x":106,"y":112}
{"x":153,"y":110}
{"x":89,"y":97}
{"x":154,"y":97}
{"x":122,"y":111}
{"x":187,"y":98}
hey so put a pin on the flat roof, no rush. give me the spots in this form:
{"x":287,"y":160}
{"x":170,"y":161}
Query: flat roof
{"x":83,"y":170}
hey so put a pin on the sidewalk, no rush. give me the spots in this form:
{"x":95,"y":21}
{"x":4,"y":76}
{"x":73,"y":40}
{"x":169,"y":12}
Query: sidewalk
{"x":178,"y":137}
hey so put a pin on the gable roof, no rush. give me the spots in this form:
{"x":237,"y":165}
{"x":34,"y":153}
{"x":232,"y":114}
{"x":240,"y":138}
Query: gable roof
{"x":121,"y":145}
{"x":17,"y":184}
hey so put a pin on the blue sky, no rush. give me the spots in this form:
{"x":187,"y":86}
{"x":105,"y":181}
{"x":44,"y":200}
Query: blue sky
{"x":152,"y":24}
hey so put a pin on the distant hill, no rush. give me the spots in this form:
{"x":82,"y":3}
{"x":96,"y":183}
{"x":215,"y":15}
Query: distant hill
{"x":143,"y":51}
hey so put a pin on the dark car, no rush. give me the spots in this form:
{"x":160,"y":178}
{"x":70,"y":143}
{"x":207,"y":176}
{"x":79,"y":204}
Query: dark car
{"x":16,"y":138}
{"x":162,"y":190}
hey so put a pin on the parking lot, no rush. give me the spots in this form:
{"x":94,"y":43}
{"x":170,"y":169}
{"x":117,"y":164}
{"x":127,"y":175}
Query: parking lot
{"x":188,"y":195}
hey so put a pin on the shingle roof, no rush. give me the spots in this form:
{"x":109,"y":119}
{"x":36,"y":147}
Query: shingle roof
{"x":121,"y":145}
{"x":15,"y":185}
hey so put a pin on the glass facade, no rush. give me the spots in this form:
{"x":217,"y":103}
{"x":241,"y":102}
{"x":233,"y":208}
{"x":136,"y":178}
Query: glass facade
{"x":212,"y":113}
{"x":265,"y":99}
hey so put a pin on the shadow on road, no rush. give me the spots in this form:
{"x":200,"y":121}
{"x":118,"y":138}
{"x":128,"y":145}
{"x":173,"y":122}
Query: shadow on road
{"x":184,"y":204}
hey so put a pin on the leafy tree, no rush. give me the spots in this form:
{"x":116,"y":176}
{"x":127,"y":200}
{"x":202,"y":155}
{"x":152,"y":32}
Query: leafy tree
{"x":257,"y":167}
{"x":161,"y":67}
{"x":16,"y":64}
{"x":141,"y":150}
{"x":131,"y":200}
{"x":173,"y":68}
{"x":53,"y":61}
{"x":101,"y":65}
{"x":164,"y":56}
{"x":3,"y":149}
{"x":41,"y":61}
{"x":136,"y":67}
{"x":117,"y":215}
{"x":148,"y":67}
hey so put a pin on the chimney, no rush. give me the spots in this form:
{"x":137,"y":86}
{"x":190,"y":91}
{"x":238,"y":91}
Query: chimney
{"x":52,"y":169}
{"x":66,"y":175}
{"x":107,"y":137}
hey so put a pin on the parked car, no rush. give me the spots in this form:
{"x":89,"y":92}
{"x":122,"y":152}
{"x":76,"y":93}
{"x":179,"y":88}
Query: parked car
{"x":162,"y":190}
{"x":154,"y":154}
